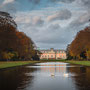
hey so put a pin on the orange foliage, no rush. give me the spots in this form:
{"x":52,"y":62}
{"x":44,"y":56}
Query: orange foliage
{"x":81,"y":44}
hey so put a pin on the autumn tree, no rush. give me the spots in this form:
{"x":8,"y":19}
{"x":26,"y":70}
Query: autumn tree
{"x":80,"y":46}
{"x":25,"y":46}
{"x":14,"y":44}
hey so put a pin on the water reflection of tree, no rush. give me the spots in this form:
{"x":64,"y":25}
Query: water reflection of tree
{"x":81,"y":78}
{"x":14,"y":78}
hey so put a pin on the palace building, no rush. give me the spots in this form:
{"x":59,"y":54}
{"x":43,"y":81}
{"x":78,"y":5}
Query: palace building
{"x":53,"y":54}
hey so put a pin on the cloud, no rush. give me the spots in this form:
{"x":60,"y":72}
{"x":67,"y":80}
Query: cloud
{"x":65,"y":1}
{"x":61,"y":15}
{"x":27,"y":19}
{"x":35,"y":1}
{"x":1,"y":1}
{"x":53,"y":34}
{"x":53,"y":1}
{"x":37,"y":21}
{"x":47,"y":36}
{"x":23,"y":19}
{"x":80,"y":21}
{"x":47,"y":21}
{"x":9,"y":6}
{"x":38,"y":4}
{"x":54,"y":27}
{"x":86,"y":3}
{"x":7,"y":1}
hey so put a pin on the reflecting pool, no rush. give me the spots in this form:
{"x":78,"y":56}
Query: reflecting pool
{"x":46,"y":76}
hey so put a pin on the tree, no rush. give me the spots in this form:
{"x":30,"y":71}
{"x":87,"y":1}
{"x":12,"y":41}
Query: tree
{"x":6,"y":20}
{"x":12,"y":42}
{"x":80,"y":46}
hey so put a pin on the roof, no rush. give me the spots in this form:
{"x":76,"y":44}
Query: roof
{"x":49,"y":50}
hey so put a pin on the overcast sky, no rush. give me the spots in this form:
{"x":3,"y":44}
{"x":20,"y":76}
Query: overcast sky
{"x":50,"y":23}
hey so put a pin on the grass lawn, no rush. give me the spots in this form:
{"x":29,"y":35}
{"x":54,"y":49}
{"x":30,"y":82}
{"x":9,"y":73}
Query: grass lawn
{"x":85,"y":63}
{"x":7,"y":64}
{"x":20,"y":63}
{"x":15,"y":63}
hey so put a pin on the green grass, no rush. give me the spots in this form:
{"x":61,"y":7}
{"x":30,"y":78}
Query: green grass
{"x":8,"y":64}
{"x":85,"y":63}
{"x":15,"y":63}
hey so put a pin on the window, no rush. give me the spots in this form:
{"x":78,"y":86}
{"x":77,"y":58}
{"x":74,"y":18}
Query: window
{"x":57,"y":51}
{"x":42,"y":56}
{"x":60,"y":51}
{"x":51,"y":56}
{"x":60,"y":56}
{"x":48,"y":56}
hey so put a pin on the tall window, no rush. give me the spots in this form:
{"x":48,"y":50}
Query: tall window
{"x":48,"y":56}
{"x":51,"y":56}
{"x":60,"y":56}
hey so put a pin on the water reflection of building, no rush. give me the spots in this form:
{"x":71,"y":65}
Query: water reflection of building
{"x":53,"y":68}
{"x":53,"y":54}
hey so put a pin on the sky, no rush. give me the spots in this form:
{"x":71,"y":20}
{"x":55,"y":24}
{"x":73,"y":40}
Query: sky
{"x":49,"y":23}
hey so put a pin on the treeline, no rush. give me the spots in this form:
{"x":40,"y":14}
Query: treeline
{"x":14,"y":45}
{"x":80,"y":46}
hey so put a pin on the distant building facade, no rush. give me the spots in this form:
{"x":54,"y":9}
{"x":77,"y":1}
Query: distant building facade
{"x":53,"y":54}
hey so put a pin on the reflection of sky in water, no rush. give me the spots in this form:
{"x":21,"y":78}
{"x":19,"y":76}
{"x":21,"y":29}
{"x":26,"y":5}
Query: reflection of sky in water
{"x":52,"y":67}
{"x":39,"y":77}
{"x":43,"y":79}
{"x":47,"y":69}
{"x":50,"y":63}
{"x":46,"y":66}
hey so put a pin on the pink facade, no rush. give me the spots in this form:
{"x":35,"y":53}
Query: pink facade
{"x":53,"y":54}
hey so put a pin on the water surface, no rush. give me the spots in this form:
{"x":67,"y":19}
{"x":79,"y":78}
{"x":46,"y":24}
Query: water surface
{"x":46,"y":76}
